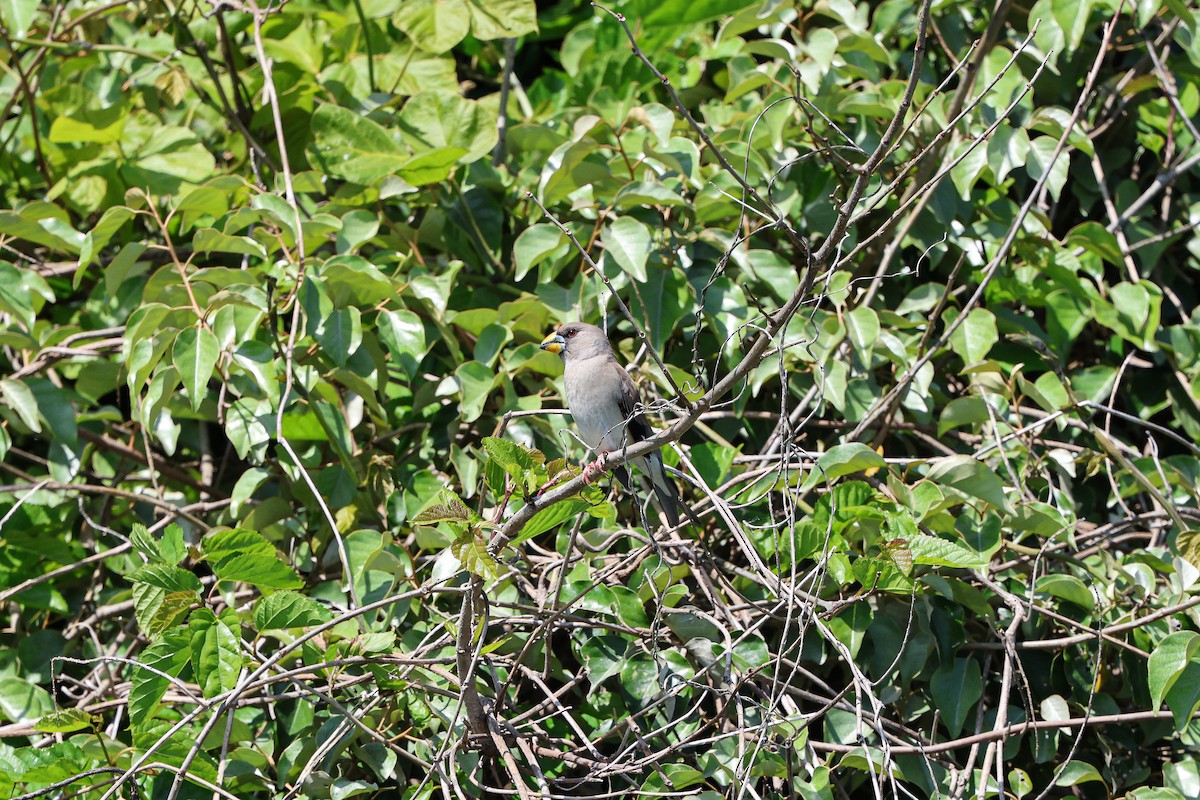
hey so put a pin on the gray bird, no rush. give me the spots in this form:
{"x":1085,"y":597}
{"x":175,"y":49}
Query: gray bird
{"x":603,"y":400}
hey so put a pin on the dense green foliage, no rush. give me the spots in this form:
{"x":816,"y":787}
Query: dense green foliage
{"x":910,"y":291}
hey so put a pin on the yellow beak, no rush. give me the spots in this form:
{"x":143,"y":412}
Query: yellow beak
{"x":554,"y":343}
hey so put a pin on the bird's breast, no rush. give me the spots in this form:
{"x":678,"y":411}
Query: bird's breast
{"x":596,"y":411}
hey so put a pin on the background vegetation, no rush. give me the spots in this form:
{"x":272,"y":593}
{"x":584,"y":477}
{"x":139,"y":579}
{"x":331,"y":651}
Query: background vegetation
{"x":910,"y":291}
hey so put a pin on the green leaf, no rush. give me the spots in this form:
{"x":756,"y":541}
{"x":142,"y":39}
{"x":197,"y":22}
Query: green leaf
{"x":195,"y":356}
{"x":245,"y":487}
{"x":449,"y":508}
{"x":966,"y":171}
{"x":971,"y":477}
{"x":1076,"y":772}
{"x":973,"y":339}
{"x":287,"y":609}
{"x":434,"y":25}
{"x":1187,"y":544}
{"x":163,"y":159}
{"x":169,"y":550}
{"x":862,"y":324}
{"x":1048,"y":391}
{"x":1067,"y":587}
{"x":403,"y":334}
{"x":209,"y":240}
{"x":1095,"y":238}
{"x":341,"y":334}
{"x":438,"y":120}
{"x":515,"y":459}
{"x":678,"y":13}
{"x":938,"y":552}
{"x":1183,"y":698}
{"x":246,"y":425}
{"x":1155,"y":793}
{"x":23,"y":702}
{"x":535,"y":244}
{"x":1019,"y":782}
{"x":18,"y":396}
{"x":955,"y":689}
{"x":850,"y":626}
{"x":1168,"y":662}
{"x":171,"y":546}
{"x":40,"y":225}
{"x":1038,"y":163}
{"x":641,"y":194}
{"x":162,"y":593}
{"x":627,"y":241}
{"x":475,"y":381}
{"x":16,"y":15}
{"x":502,"y":19}
{"x":551,"y":517}
{"x":603,"y":656}
{"x":67,"y":720}
{"x":241,"y":555}
{"x":216,"y":653}
{"x":471,"y":550}
{"x":841,"y":460}
{"x":358,"y":227}
{"x":433,"y":166}
{"x":1134,"y":312}
{"x":353,"y":281}
{"x":962,"y":411}
{"x":353,"y":148}
{"x":169,"y":657}
{"x":101,"y":125}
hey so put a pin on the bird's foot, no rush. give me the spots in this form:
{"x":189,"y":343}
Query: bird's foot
{"x":594,"y":469}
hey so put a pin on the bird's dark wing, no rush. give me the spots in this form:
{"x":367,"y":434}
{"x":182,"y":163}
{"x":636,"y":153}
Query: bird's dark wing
{"x":627,"y":401}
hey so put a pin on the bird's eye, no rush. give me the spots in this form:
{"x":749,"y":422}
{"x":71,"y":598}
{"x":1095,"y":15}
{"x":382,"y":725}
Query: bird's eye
{"x":570,"y":334}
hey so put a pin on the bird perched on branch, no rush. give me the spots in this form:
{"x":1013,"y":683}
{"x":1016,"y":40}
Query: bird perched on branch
{"x":604,"y":402}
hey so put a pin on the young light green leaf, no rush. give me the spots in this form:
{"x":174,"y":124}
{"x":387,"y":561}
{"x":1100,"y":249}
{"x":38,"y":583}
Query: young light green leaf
{"x":449,"y":509}
{"x":67,"y":720}
{"x":518,"y":461}
{"x":471,"y":550}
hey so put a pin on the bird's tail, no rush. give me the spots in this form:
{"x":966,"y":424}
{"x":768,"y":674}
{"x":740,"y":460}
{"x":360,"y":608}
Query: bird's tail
{"x":664,"y":489}
{"x":668,"y":501}
{"x":668,"y":495}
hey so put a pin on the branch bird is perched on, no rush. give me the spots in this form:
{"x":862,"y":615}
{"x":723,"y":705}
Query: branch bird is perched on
{"x":603,"y":400}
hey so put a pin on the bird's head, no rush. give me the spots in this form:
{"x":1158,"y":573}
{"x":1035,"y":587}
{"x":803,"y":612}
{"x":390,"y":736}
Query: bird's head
{"x":577,"y":340}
